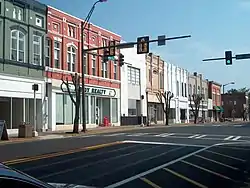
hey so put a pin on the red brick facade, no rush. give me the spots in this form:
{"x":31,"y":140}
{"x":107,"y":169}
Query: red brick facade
{"x":66,"y":29}
{"x":215,"y":93}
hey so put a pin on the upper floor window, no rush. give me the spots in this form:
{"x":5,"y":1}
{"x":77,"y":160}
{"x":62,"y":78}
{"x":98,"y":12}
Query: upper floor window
{"x":85,"y":64}
{"x":104,"y":69}
{"x":47,"y":51}
{"x":185,"y":90}
{"x":182,"y":89}
{"x":71,"y":58}
{"x":56,"y":27}
{"x":57,"y":51}
{"x":115,"y":70}
{"x":71,"y":31}
{"x":104,"y":42}
{"x":161,"y":80}
{"x":190,"y":89}
{"x":18,"y":13}
{"x":93,"y":65}
{"x":39,"y":21}
{"x":133,"y":76}
{"x":0,"y":8}
{"x":17,"y":45}
{"x":37,"y":50}
{"x":177,"y":88}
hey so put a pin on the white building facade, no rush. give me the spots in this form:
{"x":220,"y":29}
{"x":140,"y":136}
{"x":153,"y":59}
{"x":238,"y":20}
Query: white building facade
{"x":176,"y":81}
{"x":133,"y":88}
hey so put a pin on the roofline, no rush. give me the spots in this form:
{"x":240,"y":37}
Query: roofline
{"x":216,"y":83}
{"x":79,"y":19}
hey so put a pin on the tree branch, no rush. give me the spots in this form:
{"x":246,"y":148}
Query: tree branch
{"x":192,"y":108}
{"x":68,"y":90}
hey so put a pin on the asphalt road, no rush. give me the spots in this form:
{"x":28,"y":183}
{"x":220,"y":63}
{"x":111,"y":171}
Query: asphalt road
{"x":202,"y":156}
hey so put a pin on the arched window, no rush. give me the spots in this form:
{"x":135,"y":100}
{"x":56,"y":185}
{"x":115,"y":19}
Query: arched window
{"x":17,"y":47}
{"x":71,"y":58}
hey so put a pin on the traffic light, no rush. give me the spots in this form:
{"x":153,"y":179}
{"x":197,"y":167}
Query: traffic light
{"x":105,"y":55}
{"x":143,"y":45}
{"x":111,"y":49}
{"x":228,"y":56}
{"x":121,"y":60}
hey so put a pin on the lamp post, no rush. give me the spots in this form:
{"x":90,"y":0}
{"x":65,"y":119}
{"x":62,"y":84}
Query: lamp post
{"x":223,"y":86}
{"x":83,"y":26}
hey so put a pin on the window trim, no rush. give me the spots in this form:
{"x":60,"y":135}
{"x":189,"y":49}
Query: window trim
{"x":72,"y":57}
{"x":93,"y":58}
{"x":115,"y":70}
{"x":17,"y":45}
{"x":48,"y":48}
{"x":59,"y":51}
{"x":40,"y":51}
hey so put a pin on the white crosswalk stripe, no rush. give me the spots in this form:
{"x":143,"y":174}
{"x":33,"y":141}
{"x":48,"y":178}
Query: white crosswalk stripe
{"x":238,"y":125}
{"x":138,"y":134}
{"x":229,"y":138}
{"x":236,"y":138}
{"x":217,"y":125}
{"x":201,"y":136}
{"x":115,"y":134}
{"x":193,"y":136}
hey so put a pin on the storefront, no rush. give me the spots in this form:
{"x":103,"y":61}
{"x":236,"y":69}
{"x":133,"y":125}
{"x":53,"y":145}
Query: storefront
{"x":17,"y":102}
{"x":100,"y":102}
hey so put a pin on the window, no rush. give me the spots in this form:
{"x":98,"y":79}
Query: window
{"x":190,"y":89}
{"x":161,"y":80}
{"x":199,"y":90}
{"x":132,"y":111}
{"x":104,"y":42}
{"x":104,"y":69}
{"x":149,"y":75}
{"x":47,"y":52}
{"x":17,"y":46}
{"x":114,"y":110}
{"x":0,"y":8}
{"x":115,"y":70}
{"x":37,"y":50}
{"x":56,"y":27}
{"x":185,"y":88}
{"x":71,"y":31}
{"x":18,"y":13}
{"x":71,"y":58}
{"x":39,"y":21}
{"x":85,"y":64}
{"x":182,"y":89}
{"x":57,"y":54}
{"x":133,"y":76}
{"x":93,"y":65}
{"x":194,"y":90}
{"x":177,"y":88}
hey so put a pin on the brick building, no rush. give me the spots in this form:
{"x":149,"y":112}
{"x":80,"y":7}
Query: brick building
{"x":214,"y":93}
{"x":234,"y":104}
{"x":63,"y":57}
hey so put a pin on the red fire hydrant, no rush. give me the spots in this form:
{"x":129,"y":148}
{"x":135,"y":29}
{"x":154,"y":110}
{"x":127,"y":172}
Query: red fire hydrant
{"x":105,"y":122}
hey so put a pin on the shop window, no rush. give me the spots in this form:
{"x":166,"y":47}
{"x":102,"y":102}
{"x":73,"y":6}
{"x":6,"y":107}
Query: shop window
{"x":114,"y":111}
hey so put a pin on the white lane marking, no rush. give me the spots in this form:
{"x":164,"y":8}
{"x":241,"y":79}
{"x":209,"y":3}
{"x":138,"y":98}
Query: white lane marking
{"x":236,"y":138}
{"x":201,"y":136}
{"x":156,"y":168}
{"x":116,"y":134}
{"x":162,"y":135}
{"x":87,"y":136}
{"x":161,"y":143}
{"x":229,"y":137}
{"x":238,"y":125}
{"x":138,"y":134}
{"x":217,"y":125}
{"x":194,"y":136}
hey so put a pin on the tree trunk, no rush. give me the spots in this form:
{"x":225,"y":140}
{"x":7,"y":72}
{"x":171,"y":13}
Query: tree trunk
{"x":76,"y":119}
{"x":166,"y":116}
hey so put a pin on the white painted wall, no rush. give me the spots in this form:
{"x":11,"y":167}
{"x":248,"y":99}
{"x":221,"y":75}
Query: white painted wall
{"x":138,"y":61}
{"x":172,"y":74}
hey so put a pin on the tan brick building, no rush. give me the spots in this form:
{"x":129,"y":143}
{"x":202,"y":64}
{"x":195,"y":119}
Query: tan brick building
{"x":155,"y":83}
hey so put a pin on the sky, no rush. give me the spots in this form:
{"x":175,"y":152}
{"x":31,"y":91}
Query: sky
{"x":214,"y":25}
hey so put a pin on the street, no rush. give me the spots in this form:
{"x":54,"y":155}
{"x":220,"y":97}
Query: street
{"x":195,"y":156}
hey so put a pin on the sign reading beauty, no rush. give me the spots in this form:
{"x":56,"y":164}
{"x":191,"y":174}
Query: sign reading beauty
{"x":94,"y":91}
{"x":100,"y":91}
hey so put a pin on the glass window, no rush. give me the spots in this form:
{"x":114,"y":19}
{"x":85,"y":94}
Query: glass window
{"x":132,"y":107}
{"x":177,"y":88}
{"x":185,"y":88}
{"x":105,"y":108}
{"x":182,"y":89}
{"x":161,"y":80}
{"x":47,"y":51}
{"x":71,"y":31}
{"x":133,"y":76}
{"x":92,"y":106}
{"x":71,"y":58}
{"x":115,"y":70}
{"x":114,"y":111}
{"x":85,"y":63}
{"x":93,"y":65}
{"x":18,"y":13}
{"x":104,"y":69}
{"x":86,"y":110}
{"x":17,"y":46}
{"x":37,"y":50}
{"x":68,"y":106}
{"x":57,"y":54}
{"x":59,"y":109}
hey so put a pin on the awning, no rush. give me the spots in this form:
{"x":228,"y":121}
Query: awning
{"x":217,"y":108}
{"x":221,"y":108}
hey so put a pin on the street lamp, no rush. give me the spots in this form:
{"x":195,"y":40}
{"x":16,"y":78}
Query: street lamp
{"x":223,"y":86}
{"x":83,"y":26}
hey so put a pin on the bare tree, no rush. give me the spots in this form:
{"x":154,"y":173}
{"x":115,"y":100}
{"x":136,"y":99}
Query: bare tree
{"x":75,"y":96}
{"x":164,"y":99}
{"x":196,"y":106}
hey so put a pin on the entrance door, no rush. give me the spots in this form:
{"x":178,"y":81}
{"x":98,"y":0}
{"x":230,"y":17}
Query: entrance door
{"x":98,"y":111}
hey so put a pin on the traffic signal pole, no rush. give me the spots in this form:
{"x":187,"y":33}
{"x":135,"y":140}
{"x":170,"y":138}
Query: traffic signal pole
{"x":132,"y":44}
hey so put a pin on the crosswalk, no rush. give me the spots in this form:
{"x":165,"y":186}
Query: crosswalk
{"x":181,"y":135}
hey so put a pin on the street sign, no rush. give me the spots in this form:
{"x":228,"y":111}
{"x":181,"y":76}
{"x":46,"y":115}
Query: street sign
{"x":112,"y":58}
{"x":161,"y":40}
{"x":242,"y":56}
{"x":111,"y":49}
{"x":143,"y":45}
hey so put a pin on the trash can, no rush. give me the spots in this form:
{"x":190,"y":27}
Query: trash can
{"x":25,"y":131}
